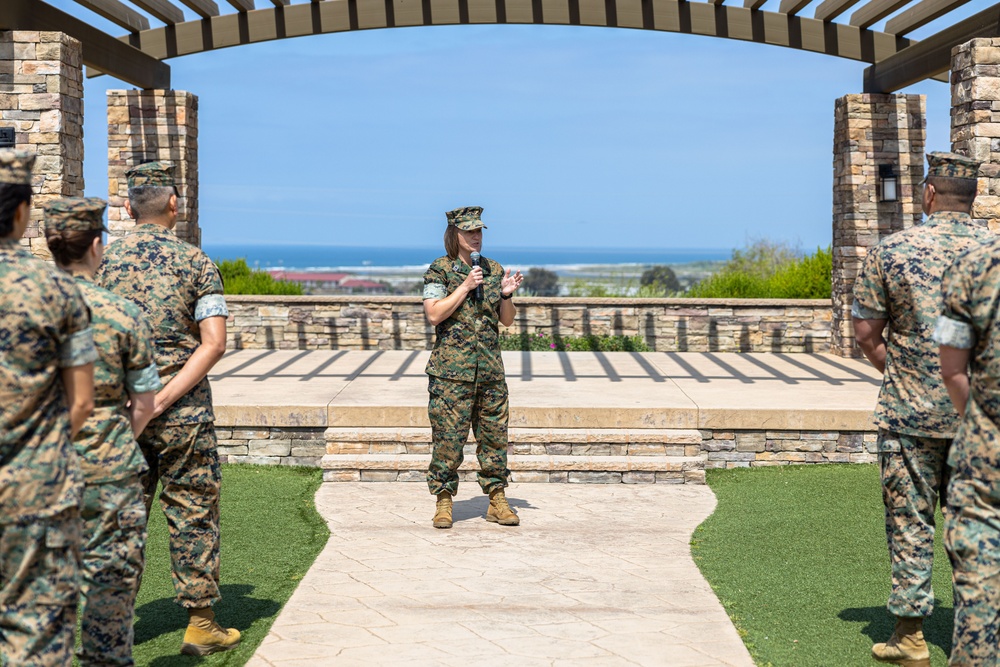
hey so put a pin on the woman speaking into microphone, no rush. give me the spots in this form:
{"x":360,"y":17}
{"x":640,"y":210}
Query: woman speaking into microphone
{"x":467,"y":297}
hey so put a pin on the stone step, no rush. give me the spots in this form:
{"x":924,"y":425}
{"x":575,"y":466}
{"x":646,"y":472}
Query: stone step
{"x":525,"y":441}
{"x":581,"y":469}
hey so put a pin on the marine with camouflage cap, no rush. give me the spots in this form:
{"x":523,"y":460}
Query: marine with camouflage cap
{"x":125,"y":385}
{"x":179,"y":290}
{"x":900,"y":287}
{"x":466,"y":380}
{"x":46,"y":393}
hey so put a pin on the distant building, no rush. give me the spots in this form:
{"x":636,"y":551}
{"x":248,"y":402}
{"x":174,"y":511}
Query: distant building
{"x":359,"y":286}
{"x":311,"y":280}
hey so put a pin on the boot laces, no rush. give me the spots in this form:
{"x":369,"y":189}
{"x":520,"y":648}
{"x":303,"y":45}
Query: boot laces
{"x":501,"y":503}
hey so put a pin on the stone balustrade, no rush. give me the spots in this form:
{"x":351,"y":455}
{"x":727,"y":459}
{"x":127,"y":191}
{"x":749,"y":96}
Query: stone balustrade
{"x":398,"y":323}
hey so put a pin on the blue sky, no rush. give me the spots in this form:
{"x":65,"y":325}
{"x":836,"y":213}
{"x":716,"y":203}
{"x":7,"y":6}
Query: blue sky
{"x":568,"y":136}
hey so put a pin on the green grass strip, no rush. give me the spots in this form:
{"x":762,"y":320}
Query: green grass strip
{"x":798,"y":557}
{"x":271,"y":534}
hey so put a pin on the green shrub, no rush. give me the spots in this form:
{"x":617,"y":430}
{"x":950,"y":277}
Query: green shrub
{"x":769,"y":270}
{"x":239,"y":278}
{"x":545,"y":343}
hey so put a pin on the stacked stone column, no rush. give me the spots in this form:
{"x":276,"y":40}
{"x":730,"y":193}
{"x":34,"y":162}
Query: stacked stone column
{"x":975,"y":119}
{"x":148,"y":125}
{"x":41,"y":97}
{"x":870,"y":130}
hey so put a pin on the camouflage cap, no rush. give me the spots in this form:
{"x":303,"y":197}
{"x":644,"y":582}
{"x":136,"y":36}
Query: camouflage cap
{"x":158,"y":174}
{"x":15,"y":167}
{"x":951,"y":165}
{"x":78,"y":214}
{"x":466,"y":218}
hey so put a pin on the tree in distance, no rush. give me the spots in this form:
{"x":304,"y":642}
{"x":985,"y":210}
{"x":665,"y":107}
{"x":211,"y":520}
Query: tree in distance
{"x":660,"y":278}
{"x":541,"y":282}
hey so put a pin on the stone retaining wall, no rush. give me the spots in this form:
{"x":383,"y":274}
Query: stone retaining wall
{"x":722,"y":449}
{"x":398,"y":323}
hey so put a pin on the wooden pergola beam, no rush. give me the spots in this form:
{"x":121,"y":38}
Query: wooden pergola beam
{"x":753,"y":4}
{"x":875,"y":11}
{"x":792,"y":7}
{"x":831,"y":9}
{"x":279,"y":3}
{"x":162,"y":10}
{"x":242,"y":5}
{"x":100,"y":50}
{"x":206,"y":9}
{"x":116,"y":12}
{"x":930,"y":56}
{"x":920,"y":15}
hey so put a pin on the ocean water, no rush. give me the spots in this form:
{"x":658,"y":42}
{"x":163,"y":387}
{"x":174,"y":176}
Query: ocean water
{"x":391,"y":260}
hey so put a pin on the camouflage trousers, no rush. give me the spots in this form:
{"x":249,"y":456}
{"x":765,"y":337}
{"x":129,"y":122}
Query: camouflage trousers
{"x":972,"y":538}
{"x":39,"y":590}
{"x":184,"y":458}
{"x":114,"y":538}
{"x":914,"y":475}
{"x":454,"y":408}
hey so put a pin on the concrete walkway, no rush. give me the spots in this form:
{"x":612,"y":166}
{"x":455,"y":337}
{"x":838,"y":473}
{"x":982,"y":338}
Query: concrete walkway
{"x":595,"y":575}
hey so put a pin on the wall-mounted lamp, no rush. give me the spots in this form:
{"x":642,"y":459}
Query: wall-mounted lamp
{"x":7,"y":137}
{"x":888,"y":183}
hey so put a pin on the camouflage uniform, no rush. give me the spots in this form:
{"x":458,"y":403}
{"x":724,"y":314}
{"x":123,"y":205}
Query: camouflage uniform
{"x":900,"y":282}
{"x":971,"y":290}
{"x":466,"y":381}
{"x":44,"y":327}
{"x":114,"y":517}
{"x":176,"y":286}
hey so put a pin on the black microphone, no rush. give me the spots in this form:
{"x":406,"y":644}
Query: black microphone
{"x":478,"y":294}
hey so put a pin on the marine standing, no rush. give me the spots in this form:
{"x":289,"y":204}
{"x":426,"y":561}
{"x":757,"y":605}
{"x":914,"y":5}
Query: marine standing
{"x":179,"y":290}
{"x":466,"y":382}
{"x":900,"y":287}
{"x":125,"y":385}
{"x":969,"y":335}
{"x":46,"y":393}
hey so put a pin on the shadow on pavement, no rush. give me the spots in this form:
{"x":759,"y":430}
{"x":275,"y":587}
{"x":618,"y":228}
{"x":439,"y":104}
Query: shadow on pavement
{"x":879,"y":624}
{"x":475,"y":507}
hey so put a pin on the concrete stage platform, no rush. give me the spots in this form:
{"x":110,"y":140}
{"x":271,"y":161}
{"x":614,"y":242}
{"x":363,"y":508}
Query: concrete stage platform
{"x":574,"y":416}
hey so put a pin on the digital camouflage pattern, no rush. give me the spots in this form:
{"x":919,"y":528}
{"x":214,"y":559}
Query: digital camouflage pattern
{"x":951,"y":165}
{"x":105,"y":444}
{"x":39,"y":590}
{"x":156,"y":174}
{"x":466,"y":218}
{"x":454,"y":407}
{"x":913,"y":478}
{"x":78,"y":214}
{"x":900,"y":281}
{"x":114,"y":538}
{"x":185,"y":459}
{"x":175,"y":285}
{"x":971,"y":294}
{"x":467,"y":346}
{"x":44,"y":327}
{"x":15,"y":167}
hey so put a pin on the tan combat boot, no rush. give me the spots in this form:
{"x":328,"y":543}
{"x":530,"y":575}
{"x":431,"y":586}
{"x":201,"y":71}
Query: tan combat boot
{"x":442,"y":512}
{"x":499,"y":511}
{"x":204,"y":635}
{"x":906,"y":646}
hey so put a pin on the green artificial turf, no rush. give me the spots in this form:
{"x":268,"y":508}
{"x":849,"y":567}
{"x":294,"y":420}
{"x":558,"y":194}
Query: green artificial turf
{"x":271,"y":534}
{"x":798,"y":557}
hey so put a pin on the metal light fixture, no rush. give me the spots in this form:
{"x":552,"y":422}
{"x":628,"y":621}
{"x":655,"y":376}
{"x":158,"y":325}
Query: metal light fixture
{"x":888,"y":183}
{"x":7,"y":137}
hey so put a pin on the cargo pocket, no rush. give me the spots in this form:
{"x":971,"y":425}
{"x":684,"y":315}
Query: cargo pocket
{"x":131,"y":544}
{"x":58,"y":578}
{"x":895,"y":479}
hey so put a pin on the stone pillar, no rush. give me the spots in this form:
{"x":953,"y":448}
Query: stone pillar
{"x":975,"y":119}
{"x":41,"y":97}
{"x":148,"y":125}
{"x":870,"y":130}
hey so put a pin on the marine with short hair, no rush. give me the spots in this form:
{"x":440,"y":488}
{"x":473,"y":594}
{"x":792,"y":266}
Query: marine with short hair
{"x":466,"y":380}
{"x":899,"y":287}
{"x":179,"y":290}
{"x":125,"y":384}
{"x":46,"y":393}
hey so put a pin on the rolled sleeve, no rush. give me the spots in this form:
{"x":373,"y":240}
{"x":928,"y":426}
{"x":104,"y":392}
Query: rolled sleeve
{"x":953,"y":333}
{"x":210,"y":305}
{"x":435,"y":291}
{"x":144,"y":380}
{"x":862,"y":313}
{"x":78,"y":349}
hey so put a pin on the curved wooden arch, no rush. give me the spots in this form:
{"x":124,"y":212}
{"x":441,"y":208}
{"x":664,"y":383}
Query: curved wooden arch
{"x":693,"y":18}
